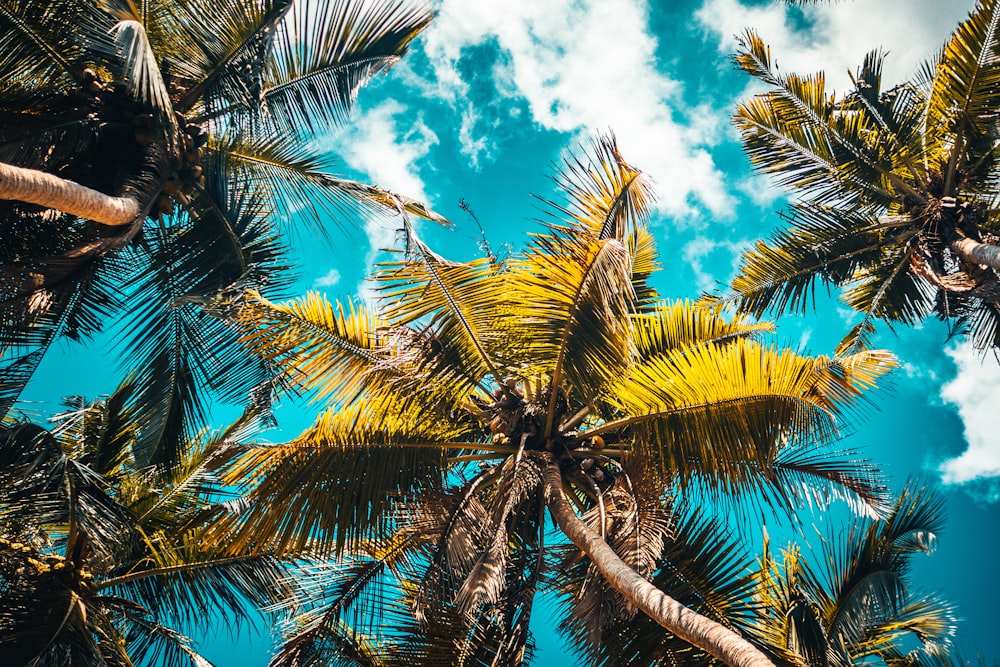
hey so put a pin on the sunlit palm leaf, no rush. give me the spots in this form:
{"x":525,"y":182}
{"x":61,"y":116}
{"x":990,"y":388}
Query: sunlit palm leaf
{"x":335,"y":484}
{"x":333,"y":351}
{"x":570,"y":303}
{"x":455,"y":303}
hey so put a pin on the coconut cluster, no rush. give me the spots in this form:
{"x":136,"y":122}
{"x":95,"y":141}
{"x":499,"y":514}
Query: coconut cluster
{"x":47,"y":565}
{"x":111,"y":103}
{"x":517,"y":417}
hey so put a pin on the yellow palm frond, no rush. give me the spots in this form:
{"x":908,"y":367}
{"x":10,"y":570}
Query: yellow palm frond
{"x":796,"y":132}
{"x":453,"y":303}
{"x":330,"y":349}
{"x":334,"y":484}
{"x":606,"y":196}
{"x":965,"y":92}
{"x":670,"y":326}
{"x":731,"y":417}
{"x":569,"y":303}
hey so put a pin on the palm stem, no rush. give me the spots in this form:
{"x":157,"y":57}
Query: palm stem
{"x":37,"y":187}
{"x":700,"y":631}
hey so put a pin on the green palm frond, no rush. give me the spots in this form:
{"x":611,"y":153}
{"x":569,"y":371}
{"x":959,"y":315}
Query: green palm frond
{"x":820,"y":243}
{"x":703,"y":565}
{"x":222,"y":51}
{"x":793,"y":131}
{"x":860,"y":604}
{"x":190,"y":269}
{"x":326,"y":51}
{"x":179,"y":585}
{"x":301,"y":181}
{"x":40,"y":58}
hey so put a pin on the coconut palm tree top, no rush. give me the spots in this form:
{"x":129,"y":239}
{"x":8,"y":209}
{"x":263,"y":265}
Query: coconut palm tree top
{"x":479,"y":394}
{"x":894,"y":187}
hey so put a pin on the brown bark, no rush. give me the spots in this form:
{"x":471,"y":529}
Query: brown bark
{"x":975,"y":252}
{"x":37,"y":187}
{"x":703,"y":632}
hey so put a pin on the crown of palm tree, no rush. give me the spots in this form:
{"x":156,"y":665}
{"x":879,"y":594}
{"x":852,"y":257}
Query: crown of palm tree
{"x":894,"y":189}
{"x":479,"y":394}
{"x":164,"y":141}
{"x":859,"y":604}
{"x":99,"y":562}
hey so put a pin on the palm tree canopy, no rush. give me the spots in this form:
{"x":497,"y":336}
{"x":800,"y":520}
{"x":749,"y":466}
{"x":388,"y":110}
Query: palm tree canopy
{"x":894,"y":187}
{"x":450,"y":404}
{"x":203,"y":115}
{"x":98,"y":560}
{"x":859,"y":602}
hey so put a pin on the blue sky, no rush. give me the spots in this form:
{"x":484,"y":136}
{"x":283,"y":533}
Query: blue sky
{"x":494,"y":92}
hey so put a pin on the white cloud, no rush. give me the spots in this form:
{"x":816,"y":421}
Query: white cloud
{"x":698,"y":250}
{"x":835,"y":36}
{"x":975,"y":392}
{"x":583,"y":66}
{"x":328,"y":279}
{"x":387,"y":143}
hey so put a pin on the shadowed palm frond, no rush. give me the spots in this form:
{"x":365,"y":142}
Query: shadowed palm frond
{"x":326,"y":51}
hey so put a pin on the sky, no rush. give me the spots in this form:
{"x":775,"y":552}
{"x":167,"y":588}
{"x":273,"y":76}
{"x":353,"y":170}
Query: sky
{"x":492,"y":95}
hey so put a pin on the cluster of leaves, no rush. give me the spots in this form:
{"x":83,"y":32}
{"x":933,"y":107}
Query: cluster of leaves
{"x":206,"y":113}
{"x":895,"y":195}
{"x":101,"y":561}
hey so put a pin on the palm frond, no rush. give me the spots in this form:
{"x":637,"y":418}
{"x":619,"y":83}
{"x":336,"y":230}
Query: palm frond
{"x":752,"y":397}
{"x":332,"y":350}
{"x":820,"y":243}
{"x":336,"y":483}
{"x":964,"y":93}
{"x":325,"y":51}
{"x":222,"y":51}
{"x":570,"y":300}
{"x":792,"y":131}
{"x":455,"y":304}
{"x":667,"y":327}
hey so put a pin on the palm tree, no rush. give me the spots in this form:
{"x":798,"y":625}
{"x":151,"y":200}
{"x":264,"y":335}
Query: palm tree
{"x":96,"y":563}
{"x":147,"y":151}
{"x":895,"y":188}
{"x":483,"y":394}
{"x":860,"y":605}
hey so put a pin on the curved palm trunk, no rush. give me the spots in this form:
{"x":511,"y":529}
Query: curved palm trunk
{"x":694,"y":628}
{"x":37,"y":187}
{"x":975,"y":252}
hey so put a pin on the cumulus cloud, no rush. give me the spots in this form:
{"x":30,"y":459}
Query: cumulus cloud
{"x":387,"y":143}
{"x":835,"y":36}
{"x":583,"y":66}
{"x":328,"y":279}
{"x":975,"y":393}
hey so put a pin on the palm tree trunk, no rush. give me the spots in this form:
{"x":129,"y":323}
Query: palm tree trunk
{"x":975,"y":252}
{"x":38,"y":187}
{"x":706,"y":634}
